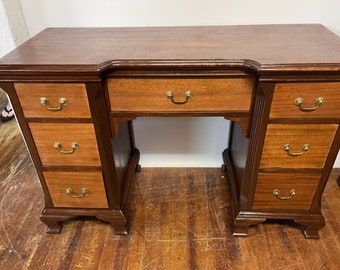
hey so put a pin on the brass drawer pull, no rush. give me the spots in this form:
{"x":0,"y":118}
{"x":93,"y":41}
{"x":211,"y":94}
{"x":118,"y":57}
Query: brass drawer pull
{"x":304,"y":149}
{"x":277,"y":193}
{"x":299,"y":101}
{"x":170,"y":95}
{"x":83,"y":191}
{"x":59,"y":147}
{"x":62,"y":102}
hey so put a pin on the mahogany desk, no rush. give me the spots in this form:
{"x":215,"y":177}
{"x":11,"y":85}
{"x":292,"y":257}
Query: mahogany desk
{"x":76,"y":91}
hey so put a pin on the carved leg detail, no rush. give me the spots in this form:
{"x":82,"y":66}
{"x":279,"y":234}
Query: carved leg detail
{"x":54,"y":223}
{"x":118,"y":223}
{"x":224,"y":168}
{"x":242,"y":225}
{"x":138,"y":168}
{"x":312,"y":227}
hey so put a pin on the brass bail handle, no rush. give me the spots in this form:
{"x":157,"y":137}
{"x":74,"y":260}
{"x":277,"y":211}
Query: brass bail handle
{"x":277,"y":193}
{"x":170,"y":95}
{"x":304,"y":149}
{"x":299,"y":102}
{"x":62,"y":102}
{"x":83,"y":191}
{"x":59,"y":147}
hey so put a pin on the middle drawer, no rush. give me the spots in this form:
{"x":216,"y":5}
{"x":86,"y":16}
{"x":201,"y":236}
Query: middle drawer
{"x":66,"y":144}
{"x":180,"y":94}
{"x":297,"y":145}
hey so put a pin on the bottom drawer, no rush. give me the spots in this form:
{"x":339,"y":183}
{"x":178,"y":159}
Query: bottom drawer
{"x":76,"y":189}
{"x":285,"y":190}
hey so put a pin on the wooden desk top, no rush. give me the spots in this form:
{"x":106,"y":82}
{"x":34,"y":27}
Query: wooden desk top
{"x":263,"y":47}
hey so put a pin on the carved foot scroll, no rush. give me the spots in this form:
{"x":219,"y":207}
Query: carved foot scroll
{"x":241,"y":225}
{"x":312,"y":226}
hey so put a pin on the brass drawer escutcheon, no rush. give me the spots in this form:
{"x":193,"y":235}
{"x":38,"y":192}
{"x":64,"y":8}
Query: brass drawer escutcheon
{"x":299,"y":101}
{"x":62,"y":102}
{"x":170,"y":95}
{"x":59,"y":147}
{"x":277,"y":193}
{"x":83,"y":191}
{"x":304,"y":149}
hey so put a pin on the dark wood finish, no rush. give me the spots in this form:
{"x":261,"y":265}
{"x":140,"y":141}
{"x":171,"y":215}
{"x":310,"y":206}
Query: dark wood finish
{"x":178,"y":220}
{"x":258,"y":46}
{"x":248,"y":74}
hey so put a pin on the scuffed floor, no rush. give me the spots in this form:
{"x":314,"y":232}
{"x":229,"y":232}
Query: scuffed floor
{"x":180,"y":219}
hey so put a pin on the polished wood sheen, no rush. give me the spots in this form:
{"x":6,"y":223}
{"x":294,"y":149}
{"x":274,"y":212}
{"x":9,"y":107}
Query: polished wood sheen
{"x":283,"y":105}
{"x":47,"y":134}
{"x":250,"y":74}
{"x":77,"y":101}
{"x":147,"y":95}
{"x":260,"y":44}
{"x":318,"y":137}
{"x":304,"y":185}
{"x":58,"y":182}
{"x":180,"y":220}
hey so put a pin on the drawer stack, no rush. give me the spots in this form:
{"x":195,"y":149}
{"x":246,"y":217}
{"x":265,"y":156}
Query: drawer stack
{"x":59,"y":119}
{"x":303,"y":122}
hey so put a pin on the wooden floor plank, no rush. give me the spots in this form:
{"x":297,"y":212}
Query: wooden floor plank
{"x":180,"y":219}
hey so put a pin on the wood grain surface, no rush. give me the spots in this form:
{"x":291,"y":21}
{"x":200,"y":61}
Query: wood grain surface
{"x":77,"y":102}
{"x":272,"y":46}
{"x":319,"y":137}
{"x":209,"y":94}
{"x":46,"y":134}
{"x":283,"y":105}
{"x":181,"y":219}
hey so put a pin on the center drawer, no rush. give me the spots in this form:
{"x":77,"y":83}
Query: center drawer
{"x":180,"y":94}
{"x":65,"y":144}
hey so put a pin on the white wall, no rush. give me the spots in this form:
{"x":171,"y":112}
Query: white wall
{"x":42,"y":13}
{"x":12,"y":26}
{"x":176,"y":141}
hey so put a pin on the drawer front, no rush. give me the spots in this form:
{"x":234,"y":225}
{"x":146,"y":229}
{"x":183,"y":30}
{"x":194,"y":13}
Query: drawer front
{"x":75,"y":96}
{"x":76,"y":189}
{"x":207,"y":95}
{"x":310,"y":105}
{"x":285,"y":190}
{"x":83,"y":151}
{"x":284,"y":145}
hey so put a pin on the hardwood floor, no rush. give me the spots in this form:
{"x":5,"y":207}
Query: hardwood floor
{"x":180,"y":220}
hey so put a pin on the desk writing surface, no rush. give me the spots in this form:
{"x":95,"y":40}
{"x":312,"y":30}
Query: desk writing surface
{"x":266,"y":45}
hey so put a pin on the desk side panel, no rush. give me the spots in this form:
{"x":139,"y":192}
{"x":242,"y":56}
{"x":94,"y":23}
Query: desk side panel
{"x":238,"y":151}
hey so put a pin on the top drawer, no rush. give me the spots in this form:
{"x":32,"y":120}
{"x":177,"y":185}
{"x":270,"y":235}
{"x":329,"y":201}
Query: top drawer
{"x":308,"y":95}
{"x":206,"y":94}
{"x":33,"y":95}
